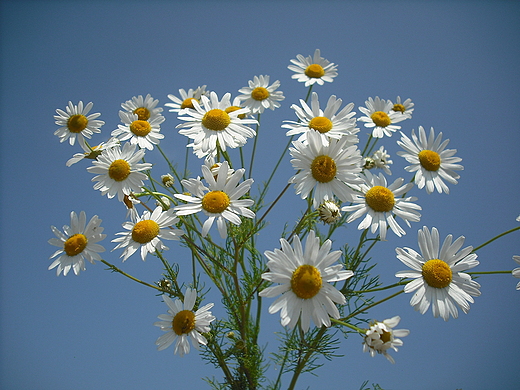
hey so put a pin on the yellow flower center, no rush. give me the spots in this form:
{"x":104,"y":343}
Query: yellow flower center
{"x":386,"y":336}
{"x":306,"y":281}
{"x":234,"y":108}
{"x":430,"y":160}
{"x":188,"y":103}
{"x":216,"y":120}
{"x":321,"y":124}
{"x":398,"y":107}
{"x":260,"y":93}
{"x":143,"y":114}
{"x":75,"y":244}
{"x":77,"y":123}
{"x":215,"y":202}
{"x":145,"y":231}
{"x":119,"y":170}
{"x":437,"y":273}
{"x":183,"y":322}
{"x":141,"y":128}
{"x":381,"y":118}
{"x":380,"y":199}
{"x":323,"y":169}
{"x":314,"y":71}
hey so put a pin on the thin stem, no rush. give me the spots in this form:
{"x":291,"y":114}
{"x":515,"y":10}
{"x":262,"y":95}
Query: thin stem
{"x":254,"y":147}
{"x":362,"y":309}
{"x":342,"y":323}
{"x":496,"y":237}
{"x":115,"y":269}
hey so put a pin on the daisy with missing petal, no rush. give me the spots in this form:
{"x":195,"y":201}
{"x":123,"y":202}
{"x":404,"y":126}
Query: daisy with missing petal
{"x":220,"y":200}
{"x":78,"y":242}
{"x":145,"y":133}
{"x":311,"y":70}
{"x":119,"y":172}
{"x":431,"y":161}
{"x":186,"y":99}
{"x":305,"y":278}
{"x":92,"y":152}
{"x":381,"y":203}
{"x":75,"y":124}
{"x":146,"y":233}
{"x":380,"y":116}
{"x":145,"y":108}
{"x":259,"y":95}
{"x":405,"y":107}
{"x":381,"y":336}
{"x":437,"y":275}
{"x":181,"y":322}
{"x":516,"y":271}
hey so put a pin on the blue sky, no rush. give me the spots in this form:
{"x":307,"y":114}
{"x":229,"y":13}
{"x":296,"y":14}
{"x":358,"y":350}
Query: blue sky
{"x":457,"y":60}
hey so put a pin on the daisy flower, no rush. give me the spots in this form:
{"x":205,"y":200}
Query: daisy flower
{"x":145,"y":108}
{"x":405,"y":107}
{"x":329,"y":212}
{"x":328,"y":169}
{"x":380,"y":116}
{"x":311,"y":70}
{"x":516,"y":271}
{"x":381,"y":336}
{"x":209,"y":124}
{"x":185,"y":101}
{"x":304,"y":277}
{"x":259,"y":95}
{"x":75,"y":124}
{"x":220,"y":200}
{"x":78,"y":242}
{"x":145,"y":133}
{"x":438,"y":277}
{"x":146,"y":233}
{"x":92,"y":152}
{"x":119,"y":171}
{"x":431,"y":161}
{"x":181,"y":322}
{"x":381,"y":203}
{"x":380,"y":159}
{"x":328,"y":124}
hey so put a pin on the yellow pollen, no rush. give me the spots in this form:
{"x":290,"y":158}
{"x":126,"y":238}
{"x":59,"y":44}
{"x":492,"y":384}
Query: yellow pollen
{"x":430,"y":160}
{"x":386,"y":336}
{"x":381,"y":118}
{"x":75,"y":244}
{"x":234,"y":108}
{"x":183,"y":322}
{"x":437,"y":273}
{"x":141,"y":128}
{"x":143,"y":114}
{"x":145,"y":231}
{"x":398,"y":107}
{"x":260,"y":93}
{"x":77,"y":123}
{"x":216,"y":120}
{"x":380,"y":199}
{"x":306,"y":281}
{"x":321,"y":124}
{"x":119,"y":170}
{"x":188,"y":103}
{"x":314,"y":71}
{"x":215,"y":202}
{"x":323,"y":169}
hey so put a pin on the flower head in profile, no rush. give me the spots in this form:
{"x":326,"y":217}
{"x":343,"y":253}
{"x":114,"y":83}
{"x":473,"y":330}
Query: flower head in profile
{"x":78,"y":242}
{"x":380,"y":116}
{"x":405,"y":107}
{"x":516,"y":271}
{"x":329,"y":212}
{"x":145,"y":133}
{"x":381,"y":336}
{"x":182,"y":321}
{"x":259,"y":95}
{"x":186,"y":98}
{"x":76,"y":123}
{"x":92,"y":152}
{"x":145,"y":108}
{"x":437,"y":274}
{"x":431,"y":161}
{"x":305,"y":278}
{"x":313,"y":69}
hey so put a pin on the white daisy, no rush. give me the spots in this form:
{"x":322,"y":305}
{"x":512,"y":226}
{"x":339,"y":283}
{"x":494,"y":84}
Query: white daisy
{"x":220,"y":200}
{"x":146,"y":233}
{"x":379,"y":115}
{"x":119,"y":171}
{"x":405,"y":107}
{"x":516,"y":271}
{"x":145,"y":108}
{"x":381,"y":336}
{"x":329,"y":212}
{"x":330,"y":170}
{"x":145,"y":133}
{"x":438,"y":276}
{"x":381,"y":203}
{"x":315,"y":69}
{"x":328,"y":124}
{"x":259,"y":95}
{"x":92,"y":152}
{"x":304,"y":278}
{"x":381,"y":160}
{"x":75,"y":124}
{"x":78,"y":242}
{"x":214,"y":167}
{"x":185,"y":101}
{"x":431,"y":161}
{"x":181,"y":322}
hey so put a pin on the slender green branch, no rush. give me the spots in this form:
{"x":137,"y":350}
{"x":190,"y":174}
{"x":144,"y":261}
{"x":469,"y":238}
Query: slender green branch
{"x":115,"y":269}
{"x":342,"y":323}
{"x":495,"y":238}
{"x":362,"y":309}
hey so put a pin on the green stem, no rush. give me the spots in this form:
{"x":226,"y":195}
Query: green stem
{"x":495,"y":238}
{"x":359,"y":330}
{"x":115,"y":269}
{"x":254,"y":147}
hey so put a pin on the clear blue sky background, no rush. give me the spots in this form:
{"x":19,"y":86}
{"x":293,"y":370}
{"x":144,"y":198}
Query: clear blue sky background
{"x":457,"y":60}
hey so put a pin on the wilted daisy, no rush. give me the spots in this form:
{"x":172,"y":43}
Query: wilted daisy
{"x":516,"y":271}
{"x":181,"y":322}
{"x":75,"y":124}
{"x":92,"y":152}
{"x":381,"y":336}
{"x":146,"y":233}
{"x":405,"y":107}
{"x":329,"y":170}
{"x":329,"y":212}
{"x":381,"y":203}
{"x":119,"y":171}
{"x":145,"y":133}
{"x":438,"y":276}
{"x":78,"y":242}
{"x":259,"y":95}
{"x":379,"y":115}
{"x":315,"y":69}
{"x":380,"y":159}
{"x":328,"y":124}
{"x":186,"y":99}
{"x":220,"y":200}
{"x":304,"y":277}
{"x":431,"y":161}
{"x":167,"y":180}
{"x":145,"y":108}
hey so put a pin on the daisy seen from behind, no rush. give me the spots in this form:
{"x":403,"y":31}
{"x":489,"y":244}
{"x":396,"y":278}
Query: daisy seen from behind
{"x":438,"y":280}
{"x":145,"y":133}
{"x":145,"y":108}
{"x":259,"y":95}
{"x":76,"y":123}
{"x":313,"y":69}
{"x":380,"y":116}
{"x":381,"y":336}
{"x":185,"y":100}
